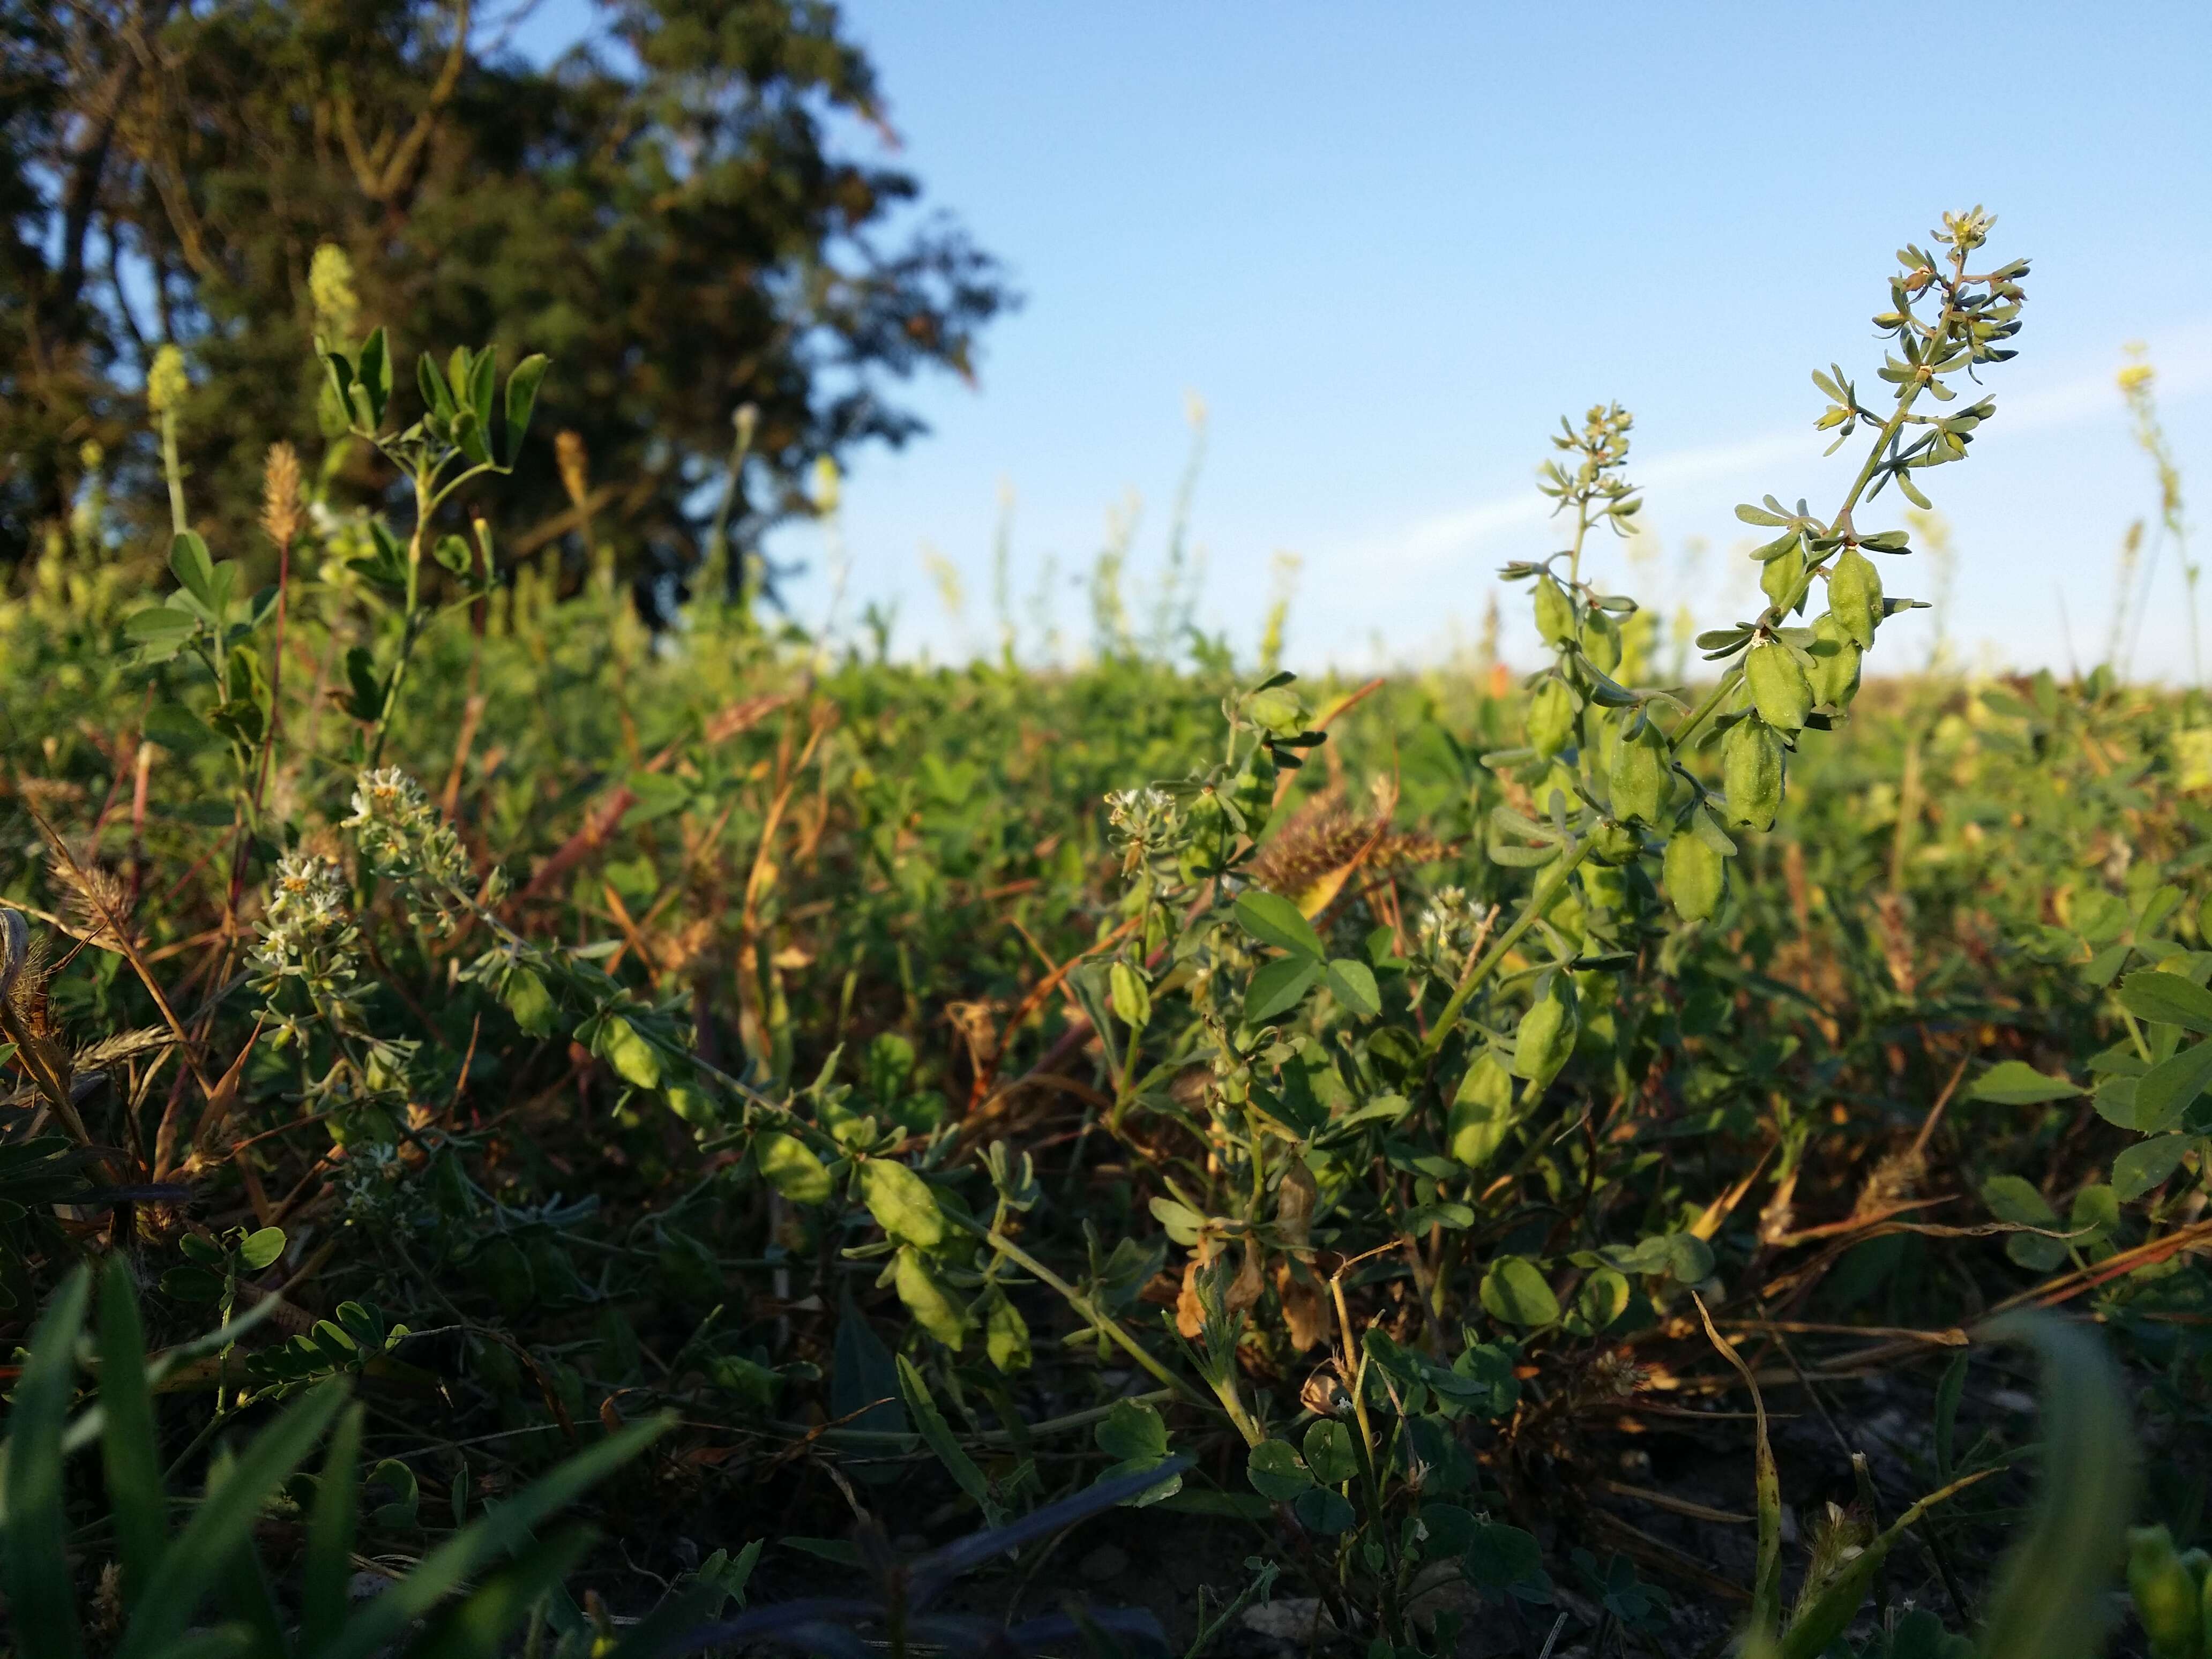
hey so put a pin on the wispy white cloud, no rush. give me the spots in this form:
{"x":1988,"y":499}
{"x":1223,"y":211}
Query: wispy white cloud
{"x":2184,"y":367}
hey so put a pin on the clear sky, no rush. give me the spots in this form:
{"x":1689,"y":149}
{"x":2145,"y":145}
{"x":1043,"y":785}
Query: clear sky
{"x":1389,"y":244}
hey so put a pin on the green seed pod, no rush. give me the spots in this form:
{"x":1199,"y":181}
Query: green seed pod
{"x":1555,"y":612}
{"x":1854,"y":596}
{"x":1751,"y":772}
{"x":1640,"y":779}
{"x":1605,"y":886}
{"x":1835,"y":675}
{"x":1551,"y":718}
{"x":1546,"y":1036}
{"x":1696,"y":874}
{"x":1602,"y":642}
{"x":1562,"y":781}
{"x":1212,"y":839}
{"x":1252,"y":791}
{"x":1615,"y":843}
{"x":1779,"y":689}
{"x":2167,"y":1598}
{"x":1778,"y":577}
{"x":1481,"y":1112}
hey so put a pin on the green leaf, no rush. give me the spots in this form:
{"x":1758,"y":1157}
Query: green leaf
{"x":634,"y":1058}
{"x":902,"y":1202}
{"x":257,"y":1249}
{"x":2146,"y":1163}
{"x":1602,"y":1298}
{"x":2153,"y":994}
{"x":1323,"y":1511}
{"x":790,"y":1166}
{"x":1274,"y":919}
{"x":928,"y":1298}
{"x":939,"y":1433}
{"x":528,"y":1001}
{"x":2016,"y":1082}
{"x":159,"y":631}
{"x":1278,"y":987}
{"x":373,"y":380}
{"x":34,"y":1526}
{"x":1353,"y":984}
{"x":521,"y":399}
{"x":1005,"y":1335}
{"x":2015,"y":1199}
{"x":194,"y":570}
{"x":1134,"y":1435}
{"x":1133,"y":999}
{"x":1277,"y":1472}
{"x":1516,"y":1293}
{"x":2169,"y":1088}
{"x":1329,"y":1454}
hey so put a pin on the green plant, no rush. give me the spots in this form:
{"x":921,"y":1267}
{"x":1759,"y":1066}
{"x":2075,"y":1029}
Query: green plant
{"x":149,"y":1599}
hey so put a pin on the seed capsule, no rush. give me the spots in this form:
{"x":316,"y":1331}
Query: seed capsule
{"x":1602,"y":642}
{"x":1640,"y":779}
{"x":1481,"y":1112}
{"x":1855,"y":596}
{"x":1555,"y":612}
{"x":1779,"y":689}
{"x":2166,"y":1594}
{"x":1751,"y":772}
{"x":1779,"y":577}
{"x":1546,"y":1036}
{"x":1697,"y":875}
{"x":1551,"y":718}
{"x":1835,"y":675}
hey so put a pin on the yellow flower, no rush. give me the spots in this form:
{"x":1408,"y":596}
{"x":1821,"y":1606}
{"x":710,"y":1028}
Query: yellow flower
{"x":2136,"y":374}
{"x":167,"y":383}
{"x":825,"y":485}
{"x":329,"y":288}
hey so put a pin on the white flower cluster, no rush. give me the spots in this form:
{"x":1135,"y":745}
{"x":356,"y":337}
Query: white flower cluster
{"x":1141,"y":816}
{"x":1445,"y":933}
{"x":401,"y":834}
{"x":308,"y":938}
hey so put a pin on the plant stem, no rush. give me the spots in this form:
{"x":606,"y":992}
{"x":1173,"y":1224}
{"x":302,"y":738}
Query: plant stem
{"x":174,"y":471}
{"x":1555,"y":877}
{"x":1101,"y":1322}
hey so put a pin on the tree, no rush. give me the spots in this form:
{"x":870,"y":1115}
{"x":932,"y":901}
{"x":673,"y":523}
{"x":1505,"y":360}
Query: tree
{"x":668,"y":211}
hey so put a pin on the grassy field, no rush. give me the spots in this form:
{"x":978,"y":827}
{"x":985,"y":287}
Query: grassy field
{"x":1146,"y":1152}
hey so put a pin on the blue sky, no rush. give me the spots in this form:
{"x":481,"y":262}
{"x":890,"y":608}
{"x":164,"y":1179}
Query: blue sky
{"x":1390,"y":244}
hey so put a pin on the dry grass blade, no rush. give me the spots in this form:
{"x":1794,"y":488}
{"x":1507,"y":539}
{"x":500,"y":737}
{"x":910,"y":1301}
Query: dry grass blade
{"x":1766,"y":1582}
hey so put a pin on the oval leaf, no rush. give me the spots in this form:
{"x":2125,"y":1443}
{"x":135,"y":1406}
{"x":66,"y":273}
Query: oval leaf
{"x":1274,"y":919}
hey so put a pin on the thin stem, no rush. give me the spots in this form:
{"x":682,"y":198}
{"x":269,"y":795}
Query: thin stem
{"x":1907,"y":395}
{"x":1101,"y":1322}
{"x":1555,"y":877}
{"x":173,"y":470}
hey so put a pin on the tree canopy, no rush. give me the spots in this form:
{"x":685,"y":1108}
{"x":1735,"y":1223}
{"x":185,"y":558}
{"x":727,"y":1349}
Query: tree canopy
{"x":674,"y":210}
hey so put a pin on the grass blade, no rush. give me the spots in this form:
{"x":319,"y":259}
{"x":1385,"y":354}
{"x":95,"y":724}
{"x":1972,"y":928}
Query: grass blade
{"x":2051,"y":1600}
{"x":501,"y":1533}
{"x":128,"y":1446}
{"x":324,"y":1601}
{"x":475,"y":1628}
{"x":1766,"y":1580}
{"x":193,"y":1564}
{"x":33,"y":1526}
